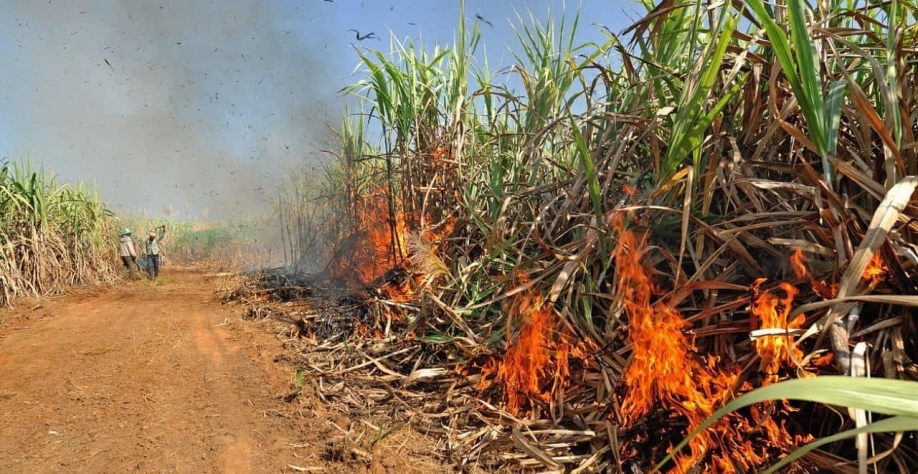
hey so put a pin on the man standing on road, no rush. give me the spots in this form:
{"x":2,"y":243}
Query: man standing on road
{"x":152,"y":250}
{"x":128,"y":254}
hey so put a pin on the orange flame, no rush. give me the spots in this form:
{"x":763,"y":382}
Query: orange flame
{"x":662,"y":370}
{"x":536,"y":364}
{"x":666,"y":373}
{"x":775,"y":350}
{"x":378,"y":254}
{"x":377,"y":247}
{"x":874,"y":274}
{"x":819,"y":287}
{"x":797,"y":264}
{"x":398,"y":291}
{"x":876,"y":270}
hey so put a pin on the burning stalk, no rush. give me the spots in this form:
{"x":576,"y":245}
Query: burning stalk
{"x":776,"y":350}
{"x":536,"y":364}
{"x":666,"y":374}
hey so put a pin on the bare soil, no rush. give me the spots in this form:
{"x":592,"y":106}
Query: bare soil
{"x":160,"y":377}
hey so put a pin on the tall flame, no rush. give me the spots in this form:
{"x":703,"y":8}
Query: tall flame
{"x":536,"y":363}
{"x":378,"y":246}
{"x":666,"y":373}
{"x":662,"y":370}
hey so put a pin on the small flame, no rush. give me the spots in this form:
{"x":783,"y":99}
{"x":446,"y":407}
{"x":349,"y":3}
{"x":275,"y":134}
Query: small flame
{"x":819,"y":287}
{"x":775,"y":350}
{"x":797,"y":264}
{"x":876,"y":270}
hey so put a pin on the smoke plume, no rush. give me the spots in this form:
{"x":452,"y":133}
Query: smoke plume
{"x":168,"y":105}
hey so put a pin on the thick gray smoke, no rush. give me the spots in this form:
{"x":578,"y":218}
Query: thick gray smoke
{"x":190,"y":106}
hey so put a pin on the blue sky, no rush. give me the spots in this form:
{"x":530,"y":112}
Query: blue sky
{"x":180,"y":105}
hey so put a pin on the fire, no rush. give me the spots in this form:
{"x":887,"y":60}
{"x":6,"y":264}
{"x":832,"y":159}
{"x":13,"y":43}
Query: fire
{"x":398,"y":288}
{"x":379,"y":245}
{"x":536,"y":363}
{"x":772,"y":311}
{"x":798,"y":265}
{"x":875,"y":271}
{"x":662,"y":369}
{"x":822,"y":289}
{"x":874,"y":274}
{"x":667,"y":374}
{"x":384,"y":253}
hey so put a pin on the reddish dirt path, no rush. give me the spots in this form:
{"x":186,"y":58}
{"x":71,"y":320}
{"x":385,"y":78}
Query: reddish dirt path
{"x":147,"y":378}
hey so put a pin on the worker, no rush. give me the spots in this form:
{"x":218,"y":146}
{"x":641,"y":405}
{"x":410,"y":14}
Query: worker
{"x":128,"y":254}
{"x":152,"y":250}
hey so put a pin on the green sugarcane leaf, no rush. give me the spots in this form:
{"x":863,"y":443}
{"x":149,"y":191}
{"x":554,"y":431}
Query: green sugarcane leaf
{"x":894,"y":424}
{"x":884,"y":396}
{"x":833,"y":113}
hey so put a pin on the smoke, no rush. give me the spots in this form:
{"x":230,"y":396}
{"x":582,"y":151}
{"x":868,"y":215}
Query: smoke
{"x":169,"y":105}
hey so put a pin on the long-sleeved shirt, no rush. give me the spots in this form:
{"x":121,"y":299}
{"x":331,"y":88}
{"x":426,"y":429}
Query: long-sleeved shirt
{"x":151,"y":247}
{"x":126,"y":246}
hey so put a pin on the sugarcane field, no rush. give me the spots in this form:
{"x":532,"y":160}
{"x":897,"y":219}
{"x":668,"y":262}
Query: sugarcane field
{"x":341,"y":236}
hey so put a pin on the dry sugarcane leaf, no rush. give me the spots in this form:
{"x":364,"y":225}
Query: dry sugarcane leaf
{"x":863,"y":105}
{"x":860,"y":368}
{"x":891,"y":370}
{"x":803,"y":245}
{"x":883,"y":219}
{"x":752,"y":103}
{"x":684,"y":291}
{"x":457,"y":319}
{"x":900,"y":300}
{"x":561,"y":281}
{"x":662,"y":10}
{"x":686,"y":213}
{"x":789,"y":105}
{"x":830,"y":462}
{"x":538,"y":454}
{"x":870,"y":185}
{"x":879,"y":326}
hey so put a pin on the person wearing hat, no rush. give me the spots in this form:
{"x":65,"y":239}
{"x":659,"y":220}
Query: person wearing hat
{"x":152,"y":250}
{"x":128,"y":255}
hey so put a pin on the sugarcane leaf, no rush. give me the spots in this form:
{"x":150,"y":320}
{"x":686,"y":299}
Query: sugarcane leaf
{"x":589,"y":167}
{"x":811,"y":99}
{"x":690,"y":120}
{"x":833,"y":113}
{"x":884,"y":396}
{"x":894,"y":424}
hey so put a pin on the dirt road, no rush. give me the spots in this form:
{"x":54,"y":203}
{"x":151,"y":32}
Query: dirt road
{"x":149,"y":378}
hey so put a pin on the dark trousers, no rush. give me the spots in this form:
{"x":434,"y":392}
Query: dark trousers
{"x":129,"y":264}
{"x":153,"y":265}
